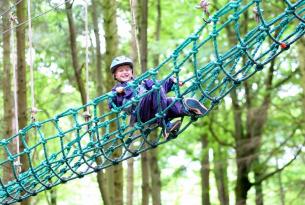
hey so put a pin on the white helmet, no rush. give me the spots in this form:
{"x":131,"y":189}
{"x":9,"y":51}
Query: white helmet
{"x":120,"y":60}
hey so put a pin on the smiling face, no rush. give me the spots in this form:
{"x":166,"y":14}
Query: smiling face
{"x":123,"y":73}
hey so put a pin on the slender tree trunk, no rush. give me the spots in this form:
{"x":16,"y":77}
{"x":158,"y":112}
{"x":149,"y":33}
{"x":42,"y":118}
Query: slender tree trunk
{"x":21,"y":83}
{"x":157,"y":32}
{"x":130,"y":180}
{"x":73,"y":46}
{"x":155,"y":170}
{"x":145,"y":178}
{"x":7,"y":91}
{"x":134,"y":57}
{"x":242,"y":182}
{"x":155,"y":177}
{"x":205,"y":171}
{"x":220,"y":171}
{"x":134,"y":40}
{"x":248,"y":142}
{"x":142,"y":12}
{"x":99,"y":76}
{"x":114,"y":174}
{"x":53,"y":197}
{"x":102,"y":182}
{"x":259,"y":200}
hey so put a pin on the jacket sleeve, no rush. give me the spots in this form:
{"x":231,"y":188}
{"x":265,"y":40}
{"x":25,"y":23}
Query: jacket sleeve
{"x":115,"y":99}
{"x":168,"y":84}
{"x":148,"y":83}
{"x":120,"y":97}
{"x":128,"y":93}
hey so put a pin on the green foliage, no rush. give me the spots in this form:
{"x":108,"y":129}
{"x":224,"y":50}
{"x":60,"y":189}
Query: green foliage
{"x":55,"y":91}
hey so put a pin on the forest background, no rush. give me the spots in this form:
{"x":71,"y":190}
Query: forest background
{"x":249,"y":150}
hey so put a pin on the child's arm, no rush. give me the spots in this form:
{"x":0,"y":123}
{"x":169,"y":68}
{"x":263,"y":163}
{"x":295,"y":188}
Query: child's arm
{"x":170,"y":82}
{"x":117,"y":100}
{"x":122,"y":93}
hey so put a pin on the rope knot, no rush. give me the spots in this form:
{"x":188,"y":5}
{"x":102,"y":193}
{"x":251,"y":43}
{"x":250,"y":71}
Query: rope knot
{"x":13,"y":18}
{"x":214,"y":34}
{"x":234,"y":4}
{"x":259,"y":67}
{"x":289,"y":10}
{"x":215,"y":101}
{"x":194,"y":37}
{"x":87,"y":115}
{"x":284,"y":46}
{"x":174,"y":55}
{"x":264,"y":28}
{"x":234,"y":17}
{"x":3,"y":142}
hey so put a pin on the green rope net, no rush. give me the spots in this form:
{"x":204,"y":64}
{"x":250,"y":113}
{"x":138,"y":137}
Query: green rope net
{"x":67,"y":147}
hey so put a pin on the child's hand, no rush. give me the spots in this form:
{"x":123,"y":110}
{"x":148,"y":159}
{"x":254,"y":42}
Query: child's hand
{"x":119,"y":89}
{"x":180,"y":83}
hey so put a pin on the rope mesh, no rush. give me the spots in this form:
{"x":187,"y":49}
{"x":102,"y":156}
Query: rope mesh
{"x":67,"y":146}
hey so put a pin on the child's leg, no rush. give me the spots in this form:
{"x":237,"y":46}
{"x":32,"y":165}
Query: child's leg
{"x":150,"y":105}
{"x":175,"y":110}
{"x":185,"y":107}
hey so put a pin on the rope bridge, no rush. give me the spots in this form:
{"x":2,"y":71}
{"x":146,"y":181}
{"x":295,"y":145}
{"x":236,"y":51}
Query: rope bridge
{"x":68,"y":146}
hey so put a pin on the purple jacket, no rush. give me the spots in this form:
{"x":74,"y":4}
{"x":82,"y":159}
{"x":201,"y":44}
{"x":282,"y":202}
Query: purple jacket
{"x":128,"y":93}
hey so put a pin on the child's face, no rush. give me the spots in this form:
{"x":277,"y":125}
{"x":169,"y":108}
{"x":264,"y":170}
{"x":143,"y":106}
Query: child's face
{"x":123,"y":73}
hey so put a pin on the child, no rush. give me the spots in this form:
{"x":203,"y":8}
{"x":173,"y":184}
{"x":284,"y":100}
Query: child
{"x":122,"y":71}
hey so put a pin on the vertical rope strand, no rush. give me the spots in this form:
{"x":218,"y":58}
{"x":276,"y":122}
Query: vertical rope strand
{"x":87,"y":49}
{"x":87,"y":114}
{"x":13,"y":56}
{"x":30,"y":34}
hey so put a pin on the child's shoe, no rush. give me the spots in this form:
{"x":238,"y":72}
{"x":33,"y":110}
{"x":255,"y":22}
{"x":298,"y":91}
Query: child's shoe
{"x":194,"y":106}
{"x":171,"y":129}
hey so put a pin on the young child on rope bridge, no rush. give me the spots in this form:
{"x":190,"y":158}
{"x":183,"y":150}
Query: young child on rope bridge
{"x":122,"y":70}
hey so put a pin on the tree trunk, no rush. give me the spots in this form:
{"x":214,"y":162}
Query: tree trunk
{"x":135,"y":53}
{"x":155,"y":176}
{"x":205,"y":171}
{"x":248,"y":143}
{"x":73,"y":46}
{"x":53,"y":197}
{"x":130,"y":180}
{"x":7,"y":91}
{"x":114,"y":174}
{"x":155,"y":170}
{"x":142,"y":12}
{"x":259,"y":200}
{"x":102,"y":182}
{"x":157,"y":32}
{"x":99,"y":76}
{"x":145,"y":178}
{"x":242,"y":183}
{"x":21,"y":83}
{"x":221,"y":177}
{"x":134,"y":57}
